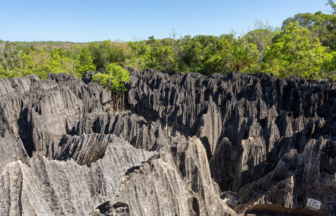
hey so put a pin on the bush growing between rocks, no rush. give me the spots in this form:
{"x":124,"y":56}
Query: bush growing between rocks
{"x":113,"y":78}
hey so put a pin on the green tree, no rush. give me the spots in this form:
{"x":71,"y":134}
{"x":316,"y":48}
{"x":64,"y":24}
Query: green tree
{"x":11,"y":59}
{"x":215,"y":58}
{"x":113,"y":78}
{"x":305,"y":20}
{"x":107,"y":52}
{"x":239,"y":58}
{"x":320,"y":24}
{"x":166,"y":56}
{"x":139,"y":55}
{"x":261,"y":35}
{"x":56,"y":61}
{"x":296,"y":52}
{"x":37,"y":61}
{"x":85,"y":61}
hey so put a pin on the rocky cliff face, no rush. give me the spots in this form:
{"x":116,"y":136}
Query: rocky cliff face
{"x":175,"y":144}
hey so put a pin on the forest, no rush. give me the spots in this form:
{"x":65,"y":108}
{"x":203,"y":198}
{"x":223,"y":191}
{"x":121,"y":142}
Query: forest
{"x":305,"y":46}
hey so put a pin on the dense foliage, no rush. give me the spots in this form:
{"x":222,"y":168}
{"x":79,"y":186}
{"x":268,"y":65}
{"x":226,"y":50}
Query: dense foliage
{"x":113,"y":77}
{"x":304,"y":46}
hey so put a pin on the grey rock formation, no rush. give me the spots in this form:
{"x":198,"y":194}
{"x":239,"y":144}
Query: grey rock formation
{"x":174,"y":144}
{"x":21,"y":85}
{"x":131,"y":127}
{"x":298,"y":177}
{"x":248,"y":125}
{"x":69,"y":163}
{"x":52,"y":187}
{"x":12,"y":149}
{"x":161,"y":189}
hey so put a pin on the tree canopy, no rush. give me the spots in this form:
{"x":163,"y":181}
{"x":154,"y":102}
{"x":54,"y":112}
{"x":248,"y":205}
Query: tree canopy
{"x":305,"y":45}
{"x":113,"y":78}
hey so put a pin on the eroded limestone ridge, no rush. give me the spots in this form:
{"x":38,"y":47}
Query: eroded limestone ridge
{"x":271,"y":141}
{"x":183,"y":144}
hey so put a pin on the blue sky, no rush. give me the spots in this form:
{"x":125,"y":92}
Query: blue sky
{"x":84,"y":21}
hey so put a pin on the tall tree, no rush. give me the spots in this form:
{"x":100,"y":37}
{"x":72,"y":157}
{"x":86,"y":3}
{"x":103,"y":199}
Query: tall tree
{"x":239,"y":57}
{"x":85,"y":61}
{"x":261,"y":35}
{"x":297,"y":52}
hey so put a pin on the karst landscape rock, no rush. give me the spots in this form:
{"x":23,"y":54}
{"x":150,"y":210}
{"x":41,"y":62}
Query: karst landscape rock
{"x":174,"y":144}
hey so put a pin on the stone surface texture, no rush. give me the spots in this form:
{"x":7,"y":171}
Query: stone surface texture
{"x":174,"y":144}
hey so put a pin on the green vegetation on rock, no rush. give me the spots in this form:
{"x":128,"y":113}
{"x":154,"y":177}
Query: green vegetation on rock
{"x":113,"y":78}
